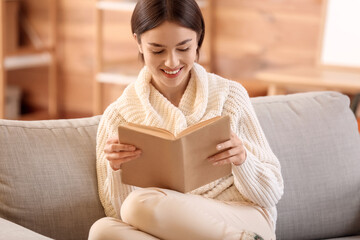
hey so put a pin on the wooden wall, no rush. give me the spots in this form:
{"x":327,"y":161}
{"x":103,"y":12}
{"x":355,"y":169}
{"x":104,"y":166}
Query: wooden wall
{"x":255,"y":34}
{"x":248,"y":35}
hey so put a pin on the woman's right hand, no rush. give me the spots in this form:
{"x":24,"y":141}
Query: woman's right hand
{"x":117,"y":153}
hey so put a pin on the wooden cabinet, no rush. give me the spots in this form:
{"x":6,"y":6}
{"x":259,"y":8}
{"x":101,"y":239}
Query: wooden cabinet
{"x":125,"y":69}
{"x":12,"y":57}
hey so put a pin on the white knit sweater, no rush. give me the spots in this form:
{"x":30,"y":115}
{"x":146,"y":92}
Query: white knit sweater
{"x":258,"y":181}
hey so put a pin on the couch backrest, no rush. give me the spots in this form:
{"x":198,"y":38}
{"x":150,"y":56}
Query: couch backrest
{"x":48,"y":177}
{"x":316,"y":139}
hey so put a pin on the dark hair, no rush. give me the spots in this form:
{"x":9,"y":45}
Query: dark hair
{"x":149,"y":14}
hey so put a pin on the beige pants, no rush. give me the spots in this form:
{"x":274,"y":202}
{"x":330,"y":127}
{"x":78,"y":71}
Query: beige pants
{"x":152,"y":213}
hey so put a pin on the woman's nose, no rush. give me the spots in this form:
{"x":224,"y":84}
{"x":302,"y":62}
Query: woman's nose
{"x":172,"y":60}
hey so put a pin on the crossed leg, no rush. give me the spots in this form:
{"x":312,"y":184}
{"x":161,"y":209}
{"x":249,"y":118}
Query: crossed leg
{"x":168,"y":214}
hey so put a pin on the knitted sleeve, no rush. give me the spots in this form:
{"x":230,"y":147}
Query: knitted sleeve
{"x":112,"y":191}
{"x":259,"y":178}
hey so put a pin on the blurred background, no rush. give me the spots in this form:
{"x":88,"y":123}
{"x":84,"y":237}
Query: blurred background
{"x":71,"y":58}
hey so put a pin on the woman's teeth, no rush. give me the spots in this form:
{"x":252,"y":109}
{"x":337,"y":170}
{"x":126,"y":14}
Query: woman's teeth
{"x":172,"y":72}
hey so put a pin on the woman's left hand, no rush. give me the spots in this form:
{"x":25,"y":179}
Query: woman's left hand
{"x":235,"y":152}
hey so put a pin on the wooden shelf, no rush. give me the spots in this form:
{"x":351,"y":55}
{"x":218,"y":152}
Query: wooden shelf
{"x":120,"y":72}
{"x":28,"y":50}
{"x":28,"y":60}
{"x":19,"y":58}
{"x":115,"y":77}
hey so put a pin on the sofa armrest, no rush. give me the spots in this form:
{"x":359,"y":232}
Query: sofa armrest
{"x":12,"y":231}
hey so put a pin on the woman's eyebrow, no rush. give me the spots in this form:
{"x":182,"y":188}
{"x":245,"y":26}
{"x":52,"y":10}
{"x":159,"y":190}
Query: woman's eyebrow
{"x":184,"y":42}
{"x":179,"y":44}
{"x":156,"y":45}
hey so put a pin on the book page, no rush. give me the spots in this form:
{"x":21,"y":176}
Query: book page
{"x":197,"y":126}
{"x":159,"y":132}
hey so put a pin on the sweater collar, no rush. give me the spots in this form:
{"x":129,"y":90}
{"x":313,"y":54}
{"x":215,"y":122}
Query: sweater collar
{"x":195,"y":98}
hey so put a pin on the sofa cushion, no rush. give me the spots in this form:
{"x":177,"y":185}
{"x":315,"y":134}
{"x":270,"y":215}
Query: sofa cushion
{"x":12,"y":231}
{"x":345,"y":238}
{"x":316,"y":139}
{"x":48,"y":177}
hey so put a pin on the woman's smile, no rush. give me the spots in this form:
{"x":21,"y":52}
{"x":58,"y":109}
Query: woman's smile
{"x":172,"y":73}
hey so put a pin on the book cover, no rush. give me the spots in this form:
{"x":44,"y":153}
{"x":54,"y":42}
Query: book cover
{"x":175,"y":162}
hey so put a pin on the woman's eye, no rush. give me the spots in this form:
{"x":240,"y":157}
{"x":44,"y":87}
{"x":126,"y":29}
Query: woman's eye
{"x":183,"y":49}
{"x":158,"y":52}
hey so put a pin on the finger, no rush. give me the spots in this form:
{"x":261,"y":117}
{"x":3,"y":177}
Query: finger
{"x":116,"y":165}
{"x":226,"y":154}
{"x":224,"y":145}
{"x":234,"y":160}
{"x":222,"y":162}
{"x":121,"y":155}
{"x":112,"y":140}
{"x":232,"y":142}
{"x":110,"y":148}
{"x":122,"y":147}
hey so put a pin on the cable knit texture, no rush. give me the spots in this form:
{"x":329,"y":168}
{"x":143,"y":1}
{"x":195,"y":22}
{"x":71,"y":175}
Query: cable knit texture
{"x":256,"y":182}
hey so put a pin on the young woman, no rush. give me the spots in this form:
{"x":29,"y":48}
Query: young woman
{"x":174,"y":92}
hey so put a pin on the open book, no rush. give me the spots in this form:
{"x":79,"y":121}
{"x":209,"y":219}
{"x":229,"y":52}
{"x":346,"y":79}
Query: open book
{"x":175,"y":162}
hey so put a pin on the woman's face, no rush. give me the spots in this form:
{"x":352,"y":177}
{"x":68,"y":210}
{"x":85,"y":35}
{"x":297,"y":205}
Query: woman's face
{"x":169,"y":52}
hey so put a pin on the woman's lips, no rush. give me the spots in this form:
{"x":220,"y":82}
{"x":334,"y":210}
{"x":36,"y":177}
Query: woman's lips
{"x":171,"y":73}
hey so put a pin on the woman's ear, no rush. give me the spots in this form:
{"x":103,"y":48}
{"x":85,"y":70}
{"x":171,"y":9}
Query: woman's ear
{"x":138,"y":42}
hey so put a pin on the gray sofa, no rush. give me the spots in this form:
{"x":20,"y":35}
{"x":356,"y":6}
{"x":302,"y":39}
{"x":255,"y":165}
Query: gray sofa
{"x":48,"y":186}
